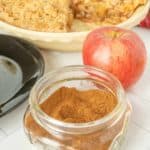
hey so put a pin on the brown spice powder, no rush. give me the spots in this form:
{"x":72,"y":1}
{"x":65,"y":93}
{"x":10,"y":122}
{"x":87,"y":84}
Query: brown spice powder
{"x":71,"y":105}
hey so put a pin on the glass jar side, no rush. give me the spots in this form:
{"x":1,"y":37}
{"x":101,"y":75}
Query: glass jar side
{"x":105,"y":134}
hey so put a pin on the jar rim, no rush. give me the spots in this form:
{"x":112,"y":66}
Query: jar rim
{"x":120,"y":108}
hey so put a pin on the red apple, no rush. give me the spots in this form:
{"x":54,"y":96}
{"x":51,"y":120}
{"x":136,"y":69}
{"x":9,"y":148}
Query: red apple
{"x":118,"y":51}
{"x":146,"y":22}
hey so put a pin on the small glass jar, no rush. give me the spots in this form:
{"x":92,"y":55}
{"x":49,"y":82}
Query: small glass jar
{"x":47,"y":133}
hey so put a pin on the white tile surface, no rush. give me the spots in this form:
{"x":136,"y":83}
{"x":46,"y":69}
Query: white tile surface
{"x":3,"y":135}
{"x":56,"y":59}
{"x":138,"y":137}
{"x":141,"y":112}
{"x":13,"y":120}
{"x":16,"y":141}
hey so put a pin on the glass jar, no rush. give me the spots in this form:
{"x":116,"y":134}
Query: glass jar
{"x":47,"y":133}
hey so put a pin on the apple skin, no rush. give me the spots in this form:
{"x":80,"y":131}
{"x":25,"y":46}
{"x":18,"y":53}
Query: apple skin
{"x":146,"y":22}
{"x":118,"y":51}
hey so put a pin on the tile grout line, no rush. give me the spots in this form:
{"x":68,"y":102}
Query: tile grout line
{"x":142,"y":128}
{"x":14,"y":131}
{"x":4,"y":135}
{"x":4,"y":132}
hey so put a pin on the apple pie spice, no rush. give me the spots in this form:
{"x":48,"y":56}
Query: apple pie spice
{"x":75,"y":106}
{"x":72,"y":105}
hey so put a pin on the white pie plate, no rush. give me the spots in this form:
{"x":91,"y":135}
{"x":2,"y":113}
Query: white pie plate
{"x":71,"y":41}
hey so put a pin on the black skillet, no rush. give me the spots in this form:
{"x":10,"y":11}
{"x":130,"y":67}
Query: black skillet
{"x":21,"y":65}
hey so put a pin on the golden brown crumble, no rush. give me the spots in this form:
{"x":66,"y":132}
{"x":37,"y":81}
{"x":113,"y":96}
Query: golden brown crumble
{"x":60,"y":15}
{"x":105,"y":12}
{"x":40,"y":15}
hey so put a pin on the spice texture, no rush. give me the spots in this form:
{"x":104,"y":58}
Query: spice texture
{"x":72,"y":105}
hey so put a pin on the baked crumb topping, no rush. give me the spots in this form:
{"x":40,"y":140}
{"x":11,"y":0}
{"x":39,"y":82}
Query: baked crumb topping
{"x":61,"y":15}
{"x":40,"y":15}
{"x":105,"y":12}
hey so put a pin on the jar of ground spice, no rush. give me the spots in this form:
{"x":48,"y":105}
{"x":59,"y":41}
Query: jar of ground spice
{"x":77,"y":108}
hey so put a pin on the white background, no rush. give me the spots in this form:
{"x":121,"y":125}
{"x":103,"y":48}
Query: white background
{"x":11,"y":129}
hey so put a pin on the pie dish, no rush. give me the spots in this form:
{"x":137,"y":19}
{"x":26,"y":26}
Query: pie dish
{"x":69,"y":33}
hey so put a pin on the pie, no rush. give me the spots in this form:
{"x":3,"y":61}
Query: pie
{"x":66,"y":15}
{"x":39,"y":15}
{"x":105,"y":11}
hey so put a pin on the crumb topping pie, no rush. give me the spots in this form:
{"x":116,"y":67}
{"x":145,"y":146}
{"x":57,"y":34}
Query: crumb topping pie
{"x":39,"y":15}
{"x":61,"y":15}
{"x":105,"y":12}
